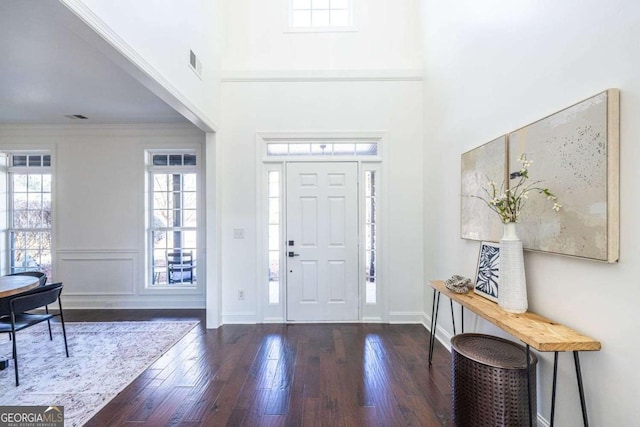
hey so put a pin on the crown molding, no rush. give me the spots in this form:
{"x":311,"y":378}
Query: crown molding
{"x":165,"y":129}
{"x":242,"y":76}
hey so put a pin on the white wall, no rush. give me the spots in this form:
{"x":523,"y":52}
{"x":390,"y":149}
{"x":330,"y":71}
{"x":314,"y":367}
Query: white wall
{"x":493,"y":66}
{"x":353,"y":81}
{"x":387,"y":37}
{"x":156,"y":36}
{"x":99,"y":216}
{"x":394,"y":107}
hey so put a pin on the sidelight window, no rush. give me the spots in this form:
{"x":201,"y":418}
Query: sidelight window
{"x":274,"y":237}
{"x":370,"y":224}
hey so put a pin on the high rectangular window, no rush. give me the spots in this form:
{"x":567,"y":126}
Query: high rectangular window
{"x":30,"y":217}
{"x":317,"y":14}
{"x":173,"y":219}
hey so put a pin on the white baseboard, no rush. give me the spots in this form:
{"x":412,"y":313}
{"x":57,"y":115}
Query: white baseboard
{"x":96,"y":303}
{"x":405,"y":317}
{"x":246,"y":318}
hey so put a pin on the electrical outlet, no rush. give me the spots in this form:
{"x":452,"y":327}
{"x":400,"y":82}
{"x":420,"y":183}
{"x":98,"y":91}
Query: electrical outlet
{"x":241,"y":295}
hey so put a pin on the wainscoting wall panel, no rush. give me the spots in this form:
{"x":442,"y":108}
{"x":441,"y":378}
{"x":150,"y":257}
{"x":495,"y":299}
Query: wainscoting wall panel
{"x":97,"y":272}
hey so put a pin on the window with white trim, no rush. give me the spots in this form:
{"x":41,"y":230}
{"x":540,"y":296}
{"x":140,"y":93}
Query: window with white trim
{"x":320,"y":14}
{"x":173,"y":219}
{"x":30,"y":220}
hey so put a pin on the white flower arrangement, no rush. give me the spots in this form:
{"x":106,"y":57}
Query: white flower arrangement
{"x":508,"y":203}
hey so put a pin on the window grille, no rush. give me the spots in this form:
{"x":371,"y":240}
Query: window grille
{"x":321,"y":14}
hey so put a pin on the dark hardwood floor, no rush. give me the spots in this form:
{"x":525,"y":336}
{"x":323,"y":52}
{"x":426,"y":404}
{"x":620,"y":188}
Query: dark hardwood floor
{"x":278,"y":375}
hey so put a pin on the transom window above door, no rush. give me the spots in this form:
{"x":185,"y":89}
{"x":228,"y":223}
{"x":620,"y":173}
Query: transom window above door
{"x":322,"y":149}
{"x":320,"y":15}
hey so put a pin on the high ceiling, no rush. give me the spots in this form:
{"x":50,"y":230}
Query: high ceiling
{"x":47,"y":72}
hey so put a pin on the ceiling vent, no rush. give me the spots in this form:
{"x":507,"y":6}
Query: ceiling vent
{"x":195,"y":63}
{"x":76,"y":117}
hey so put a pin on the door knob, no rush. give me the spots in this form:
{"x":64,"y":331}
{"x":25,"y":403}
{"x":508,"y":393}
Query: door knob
{"x":291,"y":254}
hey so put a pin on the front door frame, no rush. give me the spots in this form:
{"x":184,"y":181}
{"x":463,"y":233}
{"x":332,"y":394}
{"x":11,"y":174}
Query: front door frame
{"x":276,"y":313}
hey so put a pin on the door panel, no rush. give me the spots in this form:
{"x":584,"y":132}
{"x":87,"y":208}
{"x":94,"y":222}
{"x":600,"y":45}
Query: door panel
{"x":322,"y":221}
{"x":309,"y":282}
{"x":309,"y":221}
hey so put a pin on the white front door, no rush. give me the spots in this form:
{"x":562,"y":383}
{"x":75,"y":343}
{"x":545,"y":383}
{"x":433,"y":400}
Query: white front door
{"x":322,"y":241}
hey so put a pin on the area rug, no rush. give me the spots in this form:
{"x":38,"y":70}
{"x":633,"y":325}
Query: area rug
{"x":104,"y":358}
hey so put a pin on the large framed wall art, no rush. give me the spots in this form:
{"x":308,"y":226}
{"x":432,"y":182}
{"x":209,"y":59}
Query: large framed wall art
{"x":575,"y":153}
{"x":484,"y":163}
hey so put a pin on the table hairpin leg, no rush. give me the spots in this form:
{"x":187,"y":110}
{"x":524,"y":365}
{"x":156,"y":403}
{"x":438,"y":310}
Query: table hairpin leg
{"x":583,"y":403}
{"x":529,"y":385}
{"x":554,"y":388}
{"x":434,"y":321}
{"x":431,"y":332}
{"x":453,"y":318}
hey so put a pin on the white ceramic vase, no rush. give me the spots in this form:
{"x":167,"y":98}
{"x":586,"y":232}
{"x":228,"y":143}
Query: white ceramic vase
{"x":512,"y":288}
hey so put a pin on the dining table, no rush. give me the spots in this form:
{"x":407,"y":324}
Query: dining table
{"x":12,"y":285}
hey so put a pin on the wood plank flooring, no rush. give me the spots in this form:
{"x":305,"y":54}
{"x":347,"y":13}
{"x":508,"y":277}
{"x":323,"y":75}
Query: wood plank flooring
{"x":284,"y":375}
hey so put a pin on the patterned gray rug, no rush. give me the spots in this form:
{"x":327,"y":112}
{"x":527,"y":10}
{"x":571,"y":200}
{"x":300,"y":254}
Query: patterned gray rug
{"x":103,"y":359}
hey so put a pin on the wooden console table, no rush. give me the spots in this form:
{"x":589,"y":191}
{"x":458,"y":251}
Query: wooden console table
{"x":533,"y":330}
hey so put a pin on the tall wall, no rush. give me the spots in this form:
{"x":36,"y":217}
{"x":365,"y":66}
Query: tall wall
{"x":493,"y":66}
{"x":98,"y":209}
{"x":386,"y":37}
{"x":351,"y":81}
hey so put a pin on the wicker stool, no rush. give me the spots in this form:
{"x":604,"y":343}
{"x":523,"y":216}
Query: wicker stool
{"x":489,"y":376}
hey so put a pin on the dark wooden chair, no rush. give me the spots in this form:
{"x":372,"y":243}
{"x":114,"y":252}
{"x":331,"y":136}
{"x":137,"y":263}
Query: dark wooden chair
{"x":180,"y":267}
{"x":15,"y":316}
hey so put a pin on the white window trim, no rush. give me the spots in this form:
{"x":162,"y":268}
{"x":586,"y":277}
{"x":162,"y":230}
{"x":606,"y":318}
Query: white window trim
{"x":145,"y":287}
{"x":290,"y":29}
{"x":276,"y":313}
